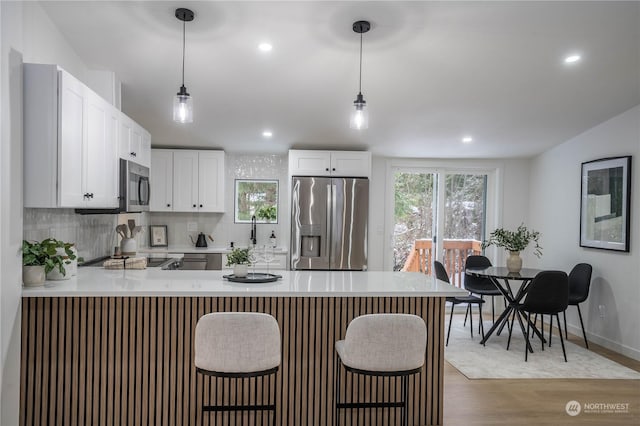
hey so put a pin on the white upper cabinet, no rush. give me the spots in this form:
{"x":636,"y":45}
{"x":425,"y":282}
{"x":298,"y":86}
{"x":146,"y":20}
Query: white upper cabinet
{"x":70,"y":142}
{"x":135,"y":142}
{"x":211,"y":181}
{"x":161,"y":178}
{"x":329,"y":163}
{"x":187,"y":180}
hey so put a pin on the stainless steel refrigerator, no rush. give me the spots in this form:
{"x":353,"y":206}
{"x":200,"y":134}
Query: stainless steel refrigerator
{"x":329,"y":223}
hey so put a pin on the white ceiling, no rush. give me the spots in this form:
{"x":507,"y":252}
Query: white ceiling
{"x":432,"y":71}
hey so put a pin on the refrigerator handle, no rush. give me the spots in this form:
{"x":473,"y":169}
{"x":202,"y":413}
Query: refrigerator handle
{"x":329,"y":220}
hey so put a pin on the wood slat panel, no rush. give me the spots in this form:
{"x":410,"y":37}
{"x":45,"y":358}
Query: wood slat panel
{"x":113,"y":361}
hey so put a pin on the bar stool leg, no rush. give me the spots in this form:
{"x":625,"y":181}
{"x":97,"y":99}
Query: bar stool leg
{"x":405,"y":403}
{"x":336,"y":393}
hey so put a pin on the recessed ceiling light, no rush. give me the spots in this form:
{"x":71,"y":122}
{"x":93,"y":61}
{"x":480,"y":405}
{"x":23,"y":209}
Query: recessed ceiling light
{"x":267,"y":133}
{"x":265,"y":47}
{"x":467,"y":139}
{"x":572,"y":59}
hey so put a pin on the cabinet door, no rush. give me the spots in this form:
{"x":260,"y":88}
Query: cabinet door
{"x":125,"y":137}
{"x":309,"y":163}
{"x":100,"y":154}
{"x":211,"y":181}
{"x":72,"y":130}
{"x":351,"y":163}
{"x":161,"y":180}
{"x":135,"y":144}
{"x":185,"y":181}
{"x":145,"y":149}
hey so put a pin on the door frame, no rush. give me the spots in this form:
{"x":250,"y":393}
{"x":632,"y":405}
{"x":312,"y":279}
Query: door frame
{"x":494,"y":196}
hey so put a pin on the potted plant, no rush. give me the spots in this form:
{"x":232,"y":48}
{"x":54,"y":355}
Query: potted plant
{"x":45,"y":257}
{"x":267,"y":213}
{"x":239,"y":258}
{"x":514,"y":242}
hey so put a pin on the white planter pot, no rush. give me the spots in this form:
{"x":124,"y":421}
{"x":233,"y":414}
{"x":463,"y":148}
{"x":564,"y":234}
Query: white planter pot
{"x":32,"y":275}
{"x":240,"y":270}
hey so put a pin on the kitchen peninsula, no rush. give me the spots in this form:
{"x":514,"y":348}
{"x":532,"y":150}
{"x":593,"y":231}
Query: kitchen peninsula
{"x":115,"y":346}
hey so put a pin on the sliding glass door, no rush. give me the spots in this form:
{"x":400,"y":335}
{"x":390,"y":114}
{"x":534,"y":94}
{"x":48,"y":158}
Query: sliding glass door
{"x":438,"y":215}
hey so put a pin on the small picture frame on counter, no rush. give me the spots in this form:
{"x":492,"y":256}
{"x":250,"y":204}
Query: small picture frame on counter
{"x":158,"y":236}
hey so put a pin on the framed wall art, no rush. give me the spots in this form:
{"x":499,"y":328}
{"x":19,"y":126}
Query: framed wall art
{"x":158,"y":236}
{"x":605,"y":206}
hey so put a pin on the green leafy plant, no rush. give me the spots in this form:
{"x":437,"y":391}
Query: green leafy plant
{"x":266,"y":213}
{"x":45,"y":254}
{"x":517,"y":240}
{"x":238,"y":256}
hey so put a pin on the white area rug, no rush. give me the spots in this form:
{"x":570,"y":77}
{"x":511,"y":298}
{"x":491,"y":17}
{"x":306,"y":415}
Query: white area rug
{"x":493,"y":361}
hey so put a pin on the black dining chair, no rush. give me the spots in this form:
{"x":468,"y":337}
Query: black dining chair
{"x":441,"y":274}
{"x":579,"y":283}
{"x":481,"y":286}
{"x":547,"y":294}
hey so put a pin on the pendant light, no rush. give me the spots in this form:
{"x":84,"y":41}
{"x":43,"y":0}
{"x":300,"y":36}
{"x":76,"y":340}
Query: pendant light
{"x":360,"y":115}
{"x":183,"y":102}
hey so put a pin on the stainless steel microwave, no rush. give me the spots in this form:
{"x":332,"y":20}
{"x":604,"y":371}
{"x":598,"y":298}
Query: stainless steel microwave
{"x":134,"y":187}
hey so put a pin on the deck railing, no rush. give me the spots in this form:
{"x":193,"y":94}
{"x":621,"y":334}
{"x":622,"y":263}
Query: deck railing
{"x":455,"y":254}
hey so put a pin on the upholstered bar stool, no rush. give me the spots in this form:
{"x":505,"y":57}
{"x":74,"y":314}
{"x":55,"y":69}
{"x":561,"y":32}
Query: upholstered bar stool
{"x":238,"y":345}
{"x":382,"y":345}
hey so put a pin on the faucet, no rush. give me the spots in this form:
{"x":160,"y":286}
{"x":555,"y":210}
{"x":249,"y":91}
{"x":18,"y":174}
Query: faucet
{"x":254,"y":234}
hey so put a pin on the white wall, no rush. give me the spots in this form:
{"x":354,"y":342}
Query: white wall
{"x":27,"y":34}
{"x":555,"y":212}
{"x":11,"y":216}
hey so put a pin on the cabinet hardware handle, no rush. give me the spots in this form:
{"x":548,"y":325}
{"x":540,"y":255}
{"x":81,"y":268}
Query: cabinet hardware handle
{"x":334,"y":169}
{"x":200,"y":205}
{"x":327,"y":169}
{"x":133,"y":154}
{"x":194,"y":205}
{"x":168,"y":205}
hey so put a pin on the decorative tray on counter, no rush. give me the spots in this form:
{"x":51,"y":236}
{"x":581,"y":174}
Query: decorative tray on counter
{"x":253,"y":277}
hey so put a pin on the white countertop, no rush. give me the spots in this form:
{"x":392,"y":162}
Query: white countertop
{"x":154,"y":282}
{"x":193,"y":249}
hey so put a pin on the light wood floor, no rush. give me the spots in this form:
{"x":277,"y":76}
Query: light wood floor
{"x":539,"y":401}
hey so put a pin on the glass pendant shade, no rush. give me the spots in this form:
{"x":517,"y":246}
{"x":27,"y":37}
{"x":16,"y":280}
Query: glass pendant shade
{"x":183,"y":108}
{"x":360,"y":114}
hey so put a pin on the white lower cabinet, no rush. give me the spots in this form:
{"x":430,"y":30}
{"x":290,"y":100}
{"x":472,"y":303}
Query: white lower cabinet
{"x":70,"y":142}
{"x":187,"y":181}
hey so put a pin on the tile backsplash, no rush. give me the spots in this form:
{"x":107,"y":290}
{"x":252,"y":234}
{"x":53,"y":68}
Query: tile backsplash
{"x":94,"y":235}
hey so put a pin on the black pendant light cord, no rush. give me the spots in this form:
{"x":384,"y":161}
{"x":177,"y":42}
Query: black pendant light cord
{"x":360,"y":82}
{"x":183,"y":45}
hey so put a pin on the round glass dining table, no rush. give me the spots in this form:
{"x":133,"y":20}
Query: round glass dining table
{"x":501,"y":277}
